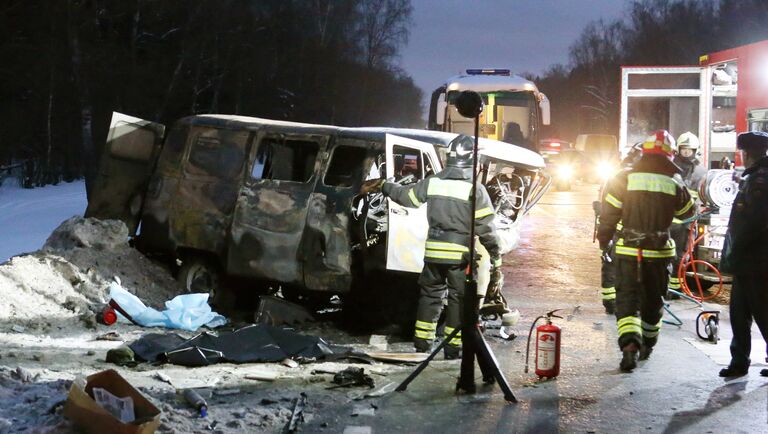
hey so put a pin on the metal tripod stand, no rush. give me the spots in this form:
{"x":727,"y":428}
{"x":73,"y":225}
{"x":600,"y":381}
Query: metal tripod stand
{"x":470,"y":105}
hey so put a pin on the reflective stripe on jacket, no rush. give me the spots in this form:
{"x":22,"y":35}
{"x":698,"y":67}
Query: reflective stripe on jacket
{"x":447,"y":195}
{"x":645,"y":198}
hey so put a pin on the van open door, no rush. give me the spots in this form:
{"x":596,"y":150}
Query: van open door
{"x":408,"y":227}
{"x":127,"y":161}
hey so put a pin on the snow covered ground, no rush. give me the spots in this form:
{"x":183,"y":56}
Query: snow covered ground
{"x":28,"y":216}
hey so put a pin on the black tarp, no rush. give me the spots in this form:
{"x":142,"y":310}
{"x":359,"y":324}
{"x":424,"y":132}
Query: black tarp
{"x":254,"y":343}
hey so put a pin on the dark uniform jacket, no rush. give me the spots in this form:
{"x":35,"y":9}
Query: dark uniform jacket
{"x":645,"y":198}
{"x":448,"y":197}
{"x":745,"y":249}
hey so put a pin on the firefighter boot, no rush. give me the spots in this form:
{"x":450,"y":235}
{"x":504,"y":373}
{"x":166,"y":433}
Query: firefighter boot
{"x":628,"y":358}
{"x":422,"y":345}
{"x":647,"y":347}
{"x":645,"y":351}
{"x":610,"y":306}
{"x":452,"y":352}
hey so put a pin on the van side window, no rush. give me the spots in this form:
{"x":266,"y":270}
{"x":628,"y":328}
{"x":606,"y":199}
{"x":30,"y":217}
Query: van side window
{"x":407,"y":161}
{"x":345,"y":167}
{"x":289,"y":160}
{"x":218,"y":153}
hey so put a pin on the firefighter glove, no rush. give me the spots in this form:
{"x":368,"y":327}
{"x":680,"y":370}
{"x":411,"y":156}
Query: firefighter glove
{"x":496,"y":275}
{"x":371,"y":186}
{"x":605,"y":256}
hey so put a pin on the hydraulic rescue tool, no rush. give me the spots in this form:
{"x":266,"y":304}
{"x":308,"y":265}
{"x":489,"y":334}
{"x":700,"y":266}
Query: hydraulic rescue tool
{"x":548,"y":340}
{"x":710,"y":320}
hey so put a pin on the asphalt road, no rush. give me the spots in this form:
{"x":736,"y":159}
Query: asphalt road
{"x":557,"y":267}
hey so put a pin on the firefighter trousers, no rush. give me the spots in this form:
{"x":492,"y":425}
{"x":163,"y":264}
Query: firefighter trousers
{"x":435,"y":279}
{"x":608,"y":279}
{"x":638,"y":299}
{"x":749,"y":299}
{"x":679,"y":233}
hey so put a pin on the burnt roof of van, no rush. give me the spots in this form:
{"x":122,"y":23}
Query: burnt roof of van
{"x":507,"y":151}
{"x":248,"y":122}
{"x":435,"y":137}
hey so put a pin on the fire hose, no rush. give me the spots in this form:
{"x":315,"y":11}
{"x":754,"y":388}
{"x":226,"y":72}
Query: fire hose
{"x":689,"y":261}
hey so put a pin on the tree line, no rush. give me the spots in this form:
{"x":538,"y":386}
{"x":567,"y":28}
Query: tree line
{"x":69,"y":63}
{"x":585,"y":92}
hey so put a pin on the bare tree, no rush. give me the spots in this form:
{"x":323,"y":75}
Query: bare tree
{"x":383,"y":29}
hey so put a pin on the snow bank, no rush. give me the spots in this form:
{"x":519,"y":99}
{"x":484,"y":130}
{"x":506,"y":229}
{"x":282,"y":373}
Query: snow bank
{"x":67,"y":280}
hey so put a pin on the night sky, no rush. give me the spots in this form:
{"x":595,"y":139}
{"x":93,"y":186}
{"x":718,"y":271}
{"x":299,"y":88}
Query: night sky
{"x":449,"y":36}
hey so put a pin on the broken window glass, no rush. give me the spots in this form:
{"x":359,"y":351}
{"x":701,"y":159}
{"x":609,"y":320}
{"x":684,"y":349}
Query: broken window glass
{"x":218,"y":153}
{"x":346,"y":166}
{"x":289,"y":160}
{"x":407,"y":162}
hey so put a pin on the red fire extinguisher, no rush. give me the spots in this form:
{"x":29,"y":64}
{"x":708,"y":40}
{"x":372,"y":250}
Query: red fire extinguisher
{"x":547,"y":346}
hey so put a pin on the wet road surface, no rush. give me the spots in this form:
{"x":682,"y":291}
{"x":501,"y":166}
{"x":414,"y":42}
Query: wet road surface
{"x":556,"y":266}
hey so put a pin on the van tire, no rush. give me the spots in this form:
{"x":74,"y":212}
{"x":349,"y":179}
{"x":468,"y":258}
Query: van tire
{"x":198,"y":274}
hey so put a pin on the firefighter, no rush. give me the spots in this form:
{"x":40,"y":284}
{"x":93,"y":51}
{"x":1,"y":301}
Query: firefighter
{"x":693,"y":173}
{"x":607,"y":266}
{"x":745,"y":253}
{"x":644,"y":198}
{"x":447,"y":195}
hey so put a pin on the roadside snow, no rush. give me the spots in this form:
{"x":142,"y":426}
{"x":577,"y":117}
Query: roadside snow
{"x":28,"y":216}
{"x":66,"y":281}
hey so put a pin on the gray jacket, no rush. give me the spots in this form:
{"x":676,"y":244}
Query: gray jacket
{"x":448,"y":197}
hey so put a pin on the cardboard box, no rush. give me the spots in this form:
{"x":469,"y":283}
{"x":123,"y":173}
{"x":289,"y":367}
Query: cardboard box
{"x":92,"y":418}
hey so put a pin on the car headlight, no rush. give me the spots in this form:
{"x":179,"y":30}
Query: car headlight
{"x":565,"y":171}
{"x":605,"y":170}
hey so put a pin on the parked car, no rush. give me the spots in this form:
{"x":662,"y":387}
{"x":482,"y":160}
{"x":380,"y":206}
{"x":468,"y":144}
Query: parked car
{"x":550,"y":147}
{"x":276,"y":203}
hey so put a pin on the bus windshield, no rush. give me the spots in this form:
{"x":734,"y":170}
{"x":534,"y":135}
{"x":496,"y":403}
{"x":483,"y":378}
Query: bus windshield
{"x":514,"y":115}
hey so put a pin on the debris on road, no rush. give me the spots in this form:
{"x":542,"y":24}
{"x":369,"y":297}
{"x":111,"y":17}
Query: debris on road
{"x":297,"y":416}
{"x":290,"y":363}
{"x":164,"y":378}
{"x":84,"y":410}
{"x":408,"y":358}
{"x":24,"y":375}
{"x":276,"y":311}
{"x":110,"y":336}
{"x":197,"y":402}
{"x":352,"y":376}
{"x":364,"y":410}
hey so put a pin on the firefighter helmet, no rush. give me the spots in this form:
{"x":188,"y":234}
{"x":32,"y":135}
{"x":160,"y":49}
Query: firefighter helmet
{"x":633,"y":155}
{"x":752,"y":141}
{"x":460,"y":152}
{"x":688,"y":140}
{"x":660,"y":143}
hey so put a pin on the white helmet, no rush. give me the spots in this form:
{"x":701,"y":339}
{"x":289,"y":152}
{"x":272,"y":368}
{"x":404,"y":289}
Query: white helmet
{"x":688,"y":140}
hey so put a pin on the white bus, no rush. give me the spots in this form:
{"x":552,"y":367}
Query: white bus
{"x":514,"y":107}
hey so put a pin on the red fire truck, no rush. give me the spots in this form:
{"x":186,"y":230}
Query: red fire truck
{"x":726,"y":94}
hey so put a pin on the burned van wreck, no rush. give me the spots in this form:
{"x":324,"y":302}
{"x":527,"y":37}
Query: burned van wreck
{"x":276,"y":203}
